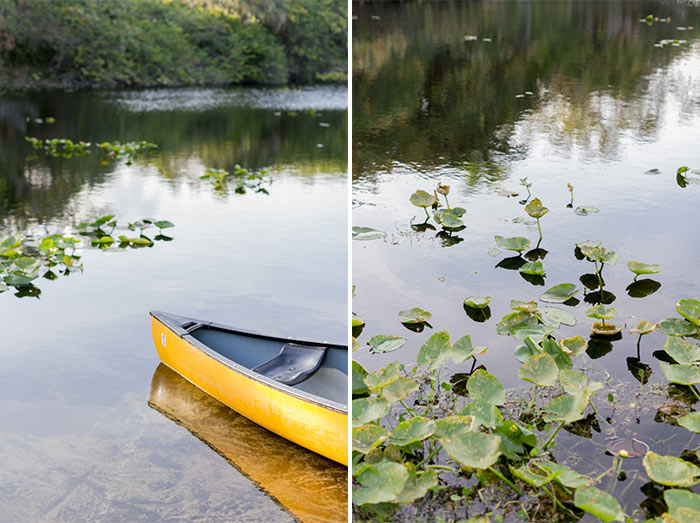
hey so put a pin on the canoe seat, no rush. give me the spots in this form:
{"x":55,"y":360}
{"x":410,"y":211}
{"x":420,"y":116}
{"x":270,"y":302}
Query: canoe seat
{"x":293,"y":364}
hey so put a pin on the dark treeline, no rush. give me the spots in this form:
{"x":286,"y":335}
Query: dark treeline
{"x":81,"y":43}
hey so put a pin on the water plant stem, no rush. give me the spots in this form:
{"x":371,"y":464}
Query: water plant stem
{"x":619,"y":467}
{"x":532,"y":400}
{"x":506,"y":480}
{"x":551,"y":436}
{"x":555,"y":499}
{"x":410,"y":411}
{"x":590,"y":401}
{"x":430,"y":456}
{"x":539,"y":228}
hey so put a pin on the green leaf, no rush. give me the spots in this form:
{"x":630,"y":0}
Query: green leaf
{"x":670,"y":471}
{"x":690,"y":310}
{"x":383,"y":481}
{"x":554,"y":316}
{"x":417,"y":485}
{"x":163,"y":224}
{"x":423,"y":199}
{"x":559,"y":293}
{"x":386,"y":343}
{"x":690,"y":421}
{"x":412,"y":430}
{"x":527,"y":306}
{"x":451,"y":425}
{"x":365,"y":410}
{"x":573,"y":382}
{"x":676,"y":327}
{"x":414,"y":315}
{"x":534,"y":268}
{"x":681,"y":350}
{"x":516,"y":243}
{"x":566,"y":408}
{"x":575,"y":345}
{"x":601,"y":312}
{"x":463,"y":349}
{"x":561,"y":358}
{"x":435,"y":352}
{"x":485,"y":386}
{"x":535,"y":208}
{"x":540,"y":370}
{"x":681,"y":374}
{"x":448,"y":220}
{"x":677,"y":499}
{"x":483,"y":412}
{"x":643,"y":268}
{"x":400,"y":389}
{"x":358,"y":379}
{"x":476,"y":302}
{"x":472,"y":449}
{"x":380,"y":378}
{"x":567,"y":477}
{"x":516,"y":321}
{"x":643,"y":327}
{"x":368,"y":437}
{"x":601,"y":504}
{"x":366,"y":233}
{"x":529,"y":476}
{"x":357,"y":321}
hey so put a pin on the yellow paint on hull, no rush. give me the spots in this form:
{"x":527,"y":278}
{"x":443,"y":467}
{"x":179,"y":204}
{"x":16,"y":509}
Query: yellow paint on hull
{"x":319,"y":429}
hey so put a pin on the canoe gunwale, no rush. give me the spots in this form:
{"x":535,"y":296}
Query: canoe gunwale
{"x":186,"y":334}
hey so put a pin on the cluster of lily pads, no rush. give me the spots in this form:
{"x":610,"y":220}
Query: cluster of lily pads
{"x":240,"y":179}
{"x":66,"y":148}
{"x":24,"y":260}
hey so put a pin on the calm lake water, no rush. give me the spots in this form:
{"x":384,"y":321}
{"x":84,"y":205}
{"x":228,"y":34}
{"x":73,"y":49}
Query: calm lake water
{"x":78,"y":440}
{"x":478,"y":95}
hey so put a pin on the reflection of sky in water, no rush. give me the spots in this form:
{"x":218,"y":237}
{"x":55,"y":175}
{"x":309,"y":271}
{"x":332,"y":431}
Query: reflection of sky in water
{"x":78,"y":440}
{"x":282,"y":99}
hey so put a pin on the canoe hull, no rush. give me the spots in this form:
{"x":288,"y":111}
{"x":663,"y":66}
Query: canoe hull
{"x":315,"y":427}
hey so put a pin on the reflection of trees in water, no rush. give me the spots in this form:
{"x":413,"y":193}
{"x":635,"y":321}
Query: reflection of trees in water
{"x":423,"y":95}
{"x":34,"y":186}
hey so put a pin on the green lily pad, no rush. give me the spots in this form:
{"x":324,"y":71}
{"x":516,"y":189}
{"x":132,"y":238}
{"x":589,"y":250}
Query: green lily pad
{"x":399,"y":389}
{"x":435,"y":352}
{"x":599,"y":503}
{"x":516,"y":321}
{"x":448,"y":220}
{"x":531,"y":477}
{"x":575,"y":345}
{"x":605,"y":329}
{"x":380,"y":378}
{"x":567,"y":477}
{"x":163,"y":224}
{"x":540,"y":370}
{"x":671,"y":471}
{"x":516,"y":243}
{"x":643,"y":268}
{"x":423,"y":199}
{"x":358,"y":379}
{"x":681,"y":374}
{"x":554,"y":316}
{"x":643,"y":327}
{"x":451,"y":425}
{"x":414,"y":315}
{"x":676,"y":327}
{"x":368,"y":437}
{"x":565,"y":408}
{"x":535,"y":208}
{"x":366,"y":233}
{"x":690,"y":421}
{"x":472,"y":449}
{"x":601,"y":312}
{"x":476,"y":302}
{"x":412,"y":431}
{"x":383,"y":481}
{"x":483,"y":412}
{"x":681,"y":350}
{"x":573,"y":382}
{"x":485,"y":386}
{"x":357,"y":321}
{"x":533,"y":268}
{"x":417,"y":485}
{"x":386,"y":343}
{"x":463,"y":350}
{"x":677,"y":500}
{"x":559,"y":293}
{"x":365,"y":410}
{"x":690,"y":310}
{"x":526,"y":306}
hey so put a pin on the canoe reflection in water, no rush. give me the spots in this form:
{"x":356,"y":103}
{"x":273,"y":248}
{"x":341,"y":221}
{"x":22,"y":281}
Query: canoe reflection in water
{"x":311,"y":487}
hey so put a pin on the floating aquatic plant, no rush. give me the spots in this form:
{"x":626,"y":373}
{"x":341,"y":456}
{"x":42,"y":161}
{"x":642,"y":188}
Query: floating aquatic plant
{"x":241,"y":179}
{"x":537,"y":211}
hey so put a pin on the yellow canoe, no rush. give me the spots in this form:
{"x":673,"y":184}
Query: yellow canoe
{"x":294,"y":388}
{"x":309,"y":486}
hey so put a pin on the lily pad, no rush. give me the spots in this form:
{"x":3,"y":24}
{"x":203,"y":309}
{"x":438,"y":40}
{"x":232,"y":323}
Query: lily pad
{"x":399,"y":389}
{"x":566,"y":476}
{"x":690,"y":310}
{"x":575,"y":345}
{"x":423,"y":199}
{"x":565,"y":408}
{"x":690,"y":421}
{"x":643,"y":268}
{"x":605,"y":329}
{"x":599,"y":503}
{"x":357,"y":321}
{"x":682,"y":505}
{"x":368,"y":437}
{"x":535,"y":208}
{"x":540,"y":370}
{"x":417,"y":485}
{"x":358,"y":379}
{"x":533,"y":268}
{"x":366,"y":233}
{"x":383,"y":481}
{"x":414,"y":315}
{"x":681,"y":350}
{"x":485,"y":386}
{"x":448,"y":220}
{"x":555,"y":316}
{"x":601,"y":312}
{"x":559,"y":293}
{"x":643,"y":327}
{"x":671,"y":471}
{"x":516,"y":243}
{"x":676,"y":327}
{"x":365,"y":410}
{"x":380,"y":378}
{"x":476,"y":302}
{"x":435,"y":352}
{"x":681,"y":374}
{"x":531,"y":477}
{"x":472,"y":449}
{"x":452,"y":425}
{"x":386,"y":343}
{"x":412,"y":431}
{"x":483,"y":413}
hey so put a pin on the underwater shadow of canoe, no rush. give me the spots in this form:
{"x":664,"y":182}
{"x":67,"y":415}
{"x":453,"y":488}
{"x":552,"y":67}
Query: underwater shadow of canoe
{"x":311,"y":487}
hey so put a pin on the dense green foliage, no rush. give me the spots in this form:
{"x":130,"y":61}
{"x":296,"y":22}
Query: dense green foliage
{"x":162,"y":42}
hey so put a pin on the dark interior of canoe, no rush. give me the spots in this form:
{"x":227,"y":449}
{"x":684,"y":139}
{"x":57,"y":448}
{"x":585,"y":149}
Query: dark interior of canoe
{"x":317,"y":369}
